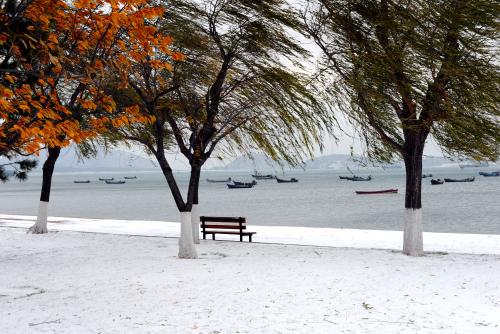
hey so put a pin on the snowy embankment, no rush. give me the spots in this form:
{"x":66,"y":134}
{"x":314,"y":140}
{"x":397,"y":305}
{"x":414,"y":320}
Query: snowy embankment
{"x":331,"y":237}
{"x":70,"y":282}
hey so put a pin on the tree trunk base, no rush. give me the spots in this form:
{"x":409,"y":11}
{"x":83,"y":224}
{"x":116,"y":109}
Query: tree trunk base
{"x":195,"y":221}
{"x":413,"y":233}
{"x":40,"y":226}
{"x":187,"y":249}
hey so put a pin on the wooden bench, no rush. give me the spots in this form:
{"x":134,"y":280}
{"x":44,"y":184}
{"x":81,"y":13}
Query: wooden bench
{"x":225,"y":225}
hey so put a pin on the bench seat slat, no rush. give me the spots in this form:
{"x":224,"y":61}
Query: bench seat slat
{"x":230,"y":227}
{"x":229,"y":232}
{"x":224,"y":223}
{"x":221,"y":219}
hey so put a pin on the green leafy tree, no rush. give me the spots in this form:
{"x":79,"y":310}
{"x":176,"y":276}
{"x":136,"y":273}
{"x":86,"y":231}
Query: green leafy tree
{"x":237,"y":84}
{"x":405,"y":71}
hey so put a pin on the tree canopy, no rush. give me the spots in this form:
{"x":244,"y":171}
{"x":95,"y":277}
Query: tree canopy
{"x":237,"y":82}
{"x":400,"y":65}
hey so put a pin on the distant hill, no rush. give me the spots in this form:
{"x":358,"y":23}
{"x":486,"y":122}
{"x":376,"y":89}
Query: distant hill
{"x":258,"y":162}
{"x":332,"y":161}
{"x":261,"y":162}
{"x":127,"y":160}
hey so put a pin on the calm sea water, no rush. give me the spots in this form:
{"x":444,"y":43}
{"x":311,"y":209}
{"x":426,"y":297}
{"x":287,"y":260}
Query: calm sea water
{"x":320,"y":199}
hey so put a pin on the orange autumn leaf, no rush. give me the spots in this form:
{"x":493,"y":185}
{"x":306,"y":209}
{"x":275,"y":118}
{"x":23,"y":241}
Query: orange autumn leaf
{"x":81,"y":42}
{"x":3,"y":38}
{"x":10,"y":78}
{"x":53,"y":38}
{"x":177,"y":56}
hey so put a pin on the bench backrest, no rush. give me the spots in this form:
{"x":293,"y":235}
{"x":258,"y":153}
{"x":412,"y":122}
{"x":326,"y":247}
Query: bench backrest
{"x":235,"y":223}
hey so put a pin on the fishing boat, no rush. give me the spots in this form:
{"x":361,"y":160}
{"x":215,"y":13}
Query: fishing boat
{"x":104,"y":179}
{"x":264,"y":177}
{"x":469,"y":179}
{"x":359,"y":178}
{"x":130,"y":177}
{"x":260,"y":176}
{"x":245,"y":183}
{"x":486,"y":174}
{"x":426,"y":176}
{"x":79,"y":181}
{"x":114,"y":182}
{"x":437,"y":181}
{"x":292,"y":180}
{"x":386,"y":191}
{"x":355,"y":178}
{"x":239,"y":186}
{"x":219,"y":181}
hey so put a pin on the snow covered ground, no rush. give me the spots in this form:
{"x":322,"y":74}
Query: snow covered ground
{"x":333,"y":237}
{"x":72,"y":282}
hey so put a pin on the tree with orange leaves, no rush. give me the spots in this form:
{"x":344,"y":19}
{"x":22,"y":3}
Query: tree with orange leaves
{"x":53,"y":65}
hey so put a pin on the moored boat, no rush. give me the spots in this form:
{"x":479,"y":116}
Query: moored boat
{"x":80,"y":181}
{"x":437,"y":181}
{"x":245,"y":183}
{"x":469,"y":179}
{"x":426,"y":176}
{"x":356,"y":178}
{"x":219,"y":181}
{"x":114,"y":182}
{"x":130,"y":177}
{"x":486,"y":174}
{"x":360,"y":178}
{"x":239,"y":186}
{"x":292,"y":180}
{"x":264,"y":177}
{"x":260,"y":176}
{"x":104,"y":179}
{"x":385,"y":191}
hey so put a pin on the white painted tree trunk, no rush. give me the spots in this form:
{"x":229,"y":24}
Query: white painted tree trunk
{"x":41,"y":219}
{"x":413,"y":234}
{"x":187,"y":249}
{"x":195,"y":220}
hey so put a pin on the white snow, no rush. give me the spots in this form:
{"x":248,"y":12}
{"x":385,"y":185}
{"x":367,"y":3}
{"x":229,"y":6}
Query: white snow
{"x":71,"y":282}
{"x":334,"y":237}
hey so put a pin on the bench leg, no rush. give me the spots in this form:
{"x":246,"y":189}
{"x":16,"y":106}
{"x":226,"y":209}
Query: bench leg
{"x":241,"y":237}
{"x":250,"y":238}
{"x":204,"y":236}
{"x":213,"y":236}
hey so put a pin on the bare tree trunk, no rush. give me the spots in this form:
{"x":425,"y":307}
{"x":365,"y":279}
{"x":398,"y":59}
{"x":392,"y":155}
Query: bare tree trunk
{"x":169,"y":177}
{"x":413,"y":230}
{"x":48,"y":169}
